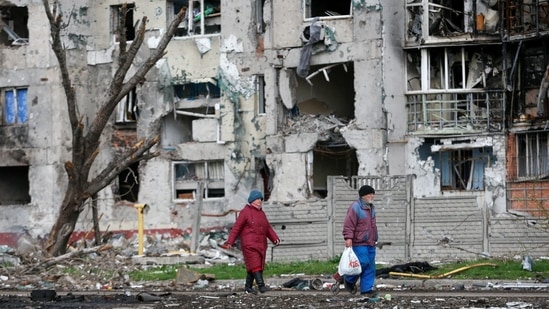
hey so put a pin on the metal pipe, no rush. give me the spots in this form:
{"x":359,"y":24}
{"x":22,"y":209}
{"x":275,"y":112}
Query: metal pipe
{"x":140,"y":226}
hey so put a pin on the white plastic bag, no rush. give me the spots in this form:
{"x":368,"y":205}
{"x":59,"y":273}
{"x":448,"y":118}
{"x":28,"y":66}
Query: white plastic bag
{"x":349,"y":263}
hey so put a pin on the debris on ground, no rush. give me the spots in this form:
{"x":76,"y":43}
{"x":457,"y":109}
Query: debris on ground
{"x":440,"y":276}
{"x":412,"y":267}
{"x":104,"y":272}
{"x":527,"y":263}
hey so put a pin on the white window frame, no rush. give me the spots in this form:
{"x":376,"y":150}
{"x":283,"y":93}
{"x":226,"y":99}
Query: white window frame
{"x":427,"y":59}
{"x":532,"y":149}
{"x":17,"y":106}
{"x":189,"y":23}
{"x":126,"y":106}
{"x":190,"y":183}
{"x":444,"y":88}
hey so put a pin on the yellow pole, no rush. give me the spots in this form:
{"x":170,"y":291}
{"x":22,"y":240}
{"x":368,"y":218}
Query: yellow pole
{"x":140,"y":226}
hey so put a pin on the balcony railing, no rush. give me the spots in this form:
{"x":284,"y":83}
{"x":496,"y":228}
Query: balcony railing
{"x":455,"y":112}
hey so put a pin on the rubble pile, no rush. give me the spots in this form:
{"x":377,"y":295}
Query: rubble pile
{"x":307,"y":123}
{"x":108,"y":266}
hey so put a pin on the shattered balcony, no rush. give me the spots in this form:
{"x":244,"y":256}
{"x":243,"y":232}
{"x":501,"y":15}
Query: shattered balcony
{"x":525,"y":19}
{"x":450,"y":21}
{"x":457,"y":112}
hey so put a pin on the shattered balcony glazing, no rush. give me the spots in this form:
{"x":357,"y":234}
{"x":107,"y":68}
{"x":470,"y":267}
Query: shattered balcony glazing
{"x":474,"y":20}
{"x":448,"y":21}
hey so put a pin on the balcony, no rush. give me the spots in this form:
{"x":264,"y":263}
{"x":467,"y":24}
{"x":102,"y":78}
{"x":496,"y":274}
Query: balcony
{"x":455,"y":112}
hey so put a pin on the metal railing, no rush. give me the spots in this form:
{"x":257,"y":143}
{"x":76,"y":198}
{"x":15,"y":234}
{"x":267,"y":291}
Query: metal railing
{"x":448,"y":112}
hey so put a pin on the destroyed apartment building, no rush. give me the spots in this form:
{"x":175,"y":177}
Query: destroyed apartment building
{"x":440,"y":105}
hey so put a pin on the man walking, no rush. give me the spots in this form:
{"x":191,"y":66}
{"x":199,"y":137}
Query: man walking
{"x":360,"y":233}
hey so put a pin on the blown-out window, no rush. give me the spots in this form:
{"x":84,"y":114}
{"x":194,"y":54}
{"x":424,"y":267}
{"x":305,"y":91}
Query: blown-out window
{"x":197,"y":90}
{"x":14,"y":185}
{"x":326,"y":9}
{"x":128,"y":183}
{"x":463,"y":169}
{"x":461,"y":162}
{"x":455,"y":88}
{"x":13,"y":25}
{"x":116,"y":15}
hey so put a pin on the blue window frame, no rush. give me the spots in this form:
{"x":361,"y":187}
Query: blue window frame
{"x":15,"y":108}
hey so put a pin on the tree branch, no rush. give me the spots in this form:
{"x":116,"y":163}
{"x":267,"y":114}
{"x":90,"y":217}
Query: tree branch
{"x":52,"y":261}
{"x":122,"y":32}
{"x":55,"y":21}
{"x":116,"y":93}
{"x":135,"y":154}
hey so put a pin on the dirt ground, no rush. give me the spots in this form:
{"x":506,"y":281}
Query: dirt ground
{"x":101,"y":280}
{"x":284,"y":299}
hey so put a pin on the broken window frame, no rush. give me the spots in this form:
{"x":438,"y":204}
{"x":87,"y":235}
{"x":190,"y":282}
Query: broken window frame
{"x":194,"y":115}
{"x":307,"y":4}
{"x":187,"y":27}
{"x":428,"y":59}
{"x":115,"y":21}
{"x":462,"y":166}
{"x":14,"y":106}
{"x":453,"y":105}
{"x":209,"y":172}
{"x":453,"y":165}
{"x":448,"y":22}
{"x":532,"y":149}
{"x":127,"y":110}
{"x":17,"y":40}
{"x":523,"y":18}
{"x":202,"y":102}
{"x":419,"y":25}
{"x":17,"y":33}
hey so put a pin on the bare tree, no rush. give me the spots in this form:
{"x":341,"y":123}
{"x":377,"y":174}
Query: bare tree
{"x":86,"y":140}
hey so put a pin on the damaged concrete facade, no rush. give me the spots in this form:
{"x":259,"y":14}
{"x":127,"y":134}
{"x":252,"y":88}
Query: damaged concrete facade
{"x":279,"y":95}
{"x":475,"y":72}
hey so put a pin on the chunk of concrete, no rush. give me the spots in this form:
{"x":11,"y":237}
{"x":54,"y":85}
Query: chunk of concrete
{"x":186,"y":276}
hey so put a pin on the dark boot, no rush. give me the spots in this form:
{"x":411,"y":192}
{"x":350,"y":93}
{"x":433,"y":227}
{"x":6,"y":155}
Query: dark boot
{"x":249,"y":284}
{"x":351,"y":288}
{"x":260,"y":283}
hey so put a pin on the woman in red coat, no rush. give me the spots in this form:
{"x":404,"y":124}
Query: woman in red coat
{"x":253,"y":228}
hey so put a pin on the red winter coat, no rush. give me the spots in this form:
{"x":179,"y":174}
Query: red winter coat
{"x":253,"y":228}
